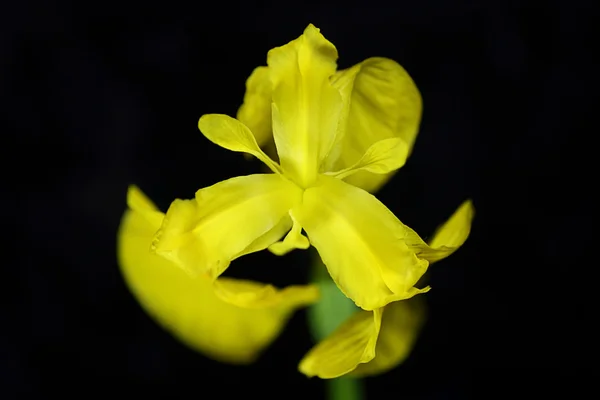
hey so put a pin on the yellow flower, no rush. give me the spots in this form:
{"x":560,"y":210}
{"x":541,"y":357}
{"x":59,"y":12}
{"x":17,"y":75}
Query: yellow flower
{"x":328,"y":127}
{"x":372,"y":342}
{"x":381,"y":102}
{"x":188,"y":307}
{"x":338,"y":135}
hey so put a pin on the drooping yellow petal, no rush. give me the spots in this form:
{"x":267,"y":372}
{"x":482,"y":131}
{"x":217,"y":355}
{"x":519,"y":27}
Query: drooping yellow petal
{"x":293,"y":240}
{"x":402,"y":321}
{"x":233,"y":135}
{"x":382,"y":157}
{"x":187,"y":307}
{"x":248,"y":294}
{"x":351,"y":344}
{"x":255,"y":112}
{"x":381,"y":102}
{"x":205,"y":234}
{"x":447,"y":238}
{"x":305,"y":106}
{"x":359,"y":240}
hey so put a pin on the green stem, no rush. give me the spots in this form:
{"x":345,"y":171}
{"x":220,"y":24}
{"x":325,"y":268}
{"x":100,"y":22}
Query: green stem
{"x":345,"y":388}
{"x":324,"y":318}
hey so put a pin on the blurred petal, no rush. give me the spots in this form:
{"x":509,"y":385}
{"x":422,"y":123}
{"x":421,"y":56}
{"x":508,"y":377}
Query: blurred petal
{"x":402,"y":321}
{"x":358,"y":239}
{"x":233,"y":135}
{"x":447,"y":238}
{"x":351,"y":344}
{"x":248,"y":294}
{"x":381,"y":102}
{"x":305,"y":106}
{"x":225,"y":220}
{"x":137,"y":201}
{"x":255,"y":112}
{"x":187,"y":307}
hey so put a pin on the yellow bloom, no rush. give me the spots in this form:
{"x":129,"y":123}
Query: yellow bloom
{"x":380,"y":102}
{"x":338,"y":135}
{"x":188,"y":307}
{"x":372,"y":342}
{"x":328,"y":127}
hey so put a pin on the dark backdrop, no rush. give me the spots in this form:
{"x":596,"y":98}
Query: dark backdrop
{"x":99,"y":95}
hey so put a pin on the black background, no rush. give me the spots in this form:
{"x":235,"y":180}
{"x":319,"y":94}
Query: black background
{"x":99,"y":95}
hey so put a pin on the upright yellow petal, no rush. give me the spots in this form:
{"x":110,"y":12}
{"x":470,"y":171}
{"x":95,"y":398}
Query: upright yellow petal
{"x":351,"y":344}
{"x":205,"y":234}
{"x":231,"y":134}
{"x":305,"y":106}
{"x":187,"y":307}
{"x":381,"y":102}
{"x":402,"y":321}
{"x":255,"y":112}
{"x":447,"y":238}
{"x":359,"y":240}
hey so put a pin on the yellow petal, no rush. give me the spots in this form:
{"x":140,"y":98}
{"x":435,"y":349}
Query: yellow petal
{"x":305,"y":106}
{"x":358,"y":239}
{"x":255,"y":112}
{"x":293,"y":240}
{"x":233,"y":135}
{"x":269,"y":238}
{"x":140,"y":203}
{"x":402,"y":321}
{"x":381,"y":102}
{"x":454,"y":232}
{"x":187,"y":307}
{"x":382,"y":157}
{"x":225,"y":220}
{"x":447,"y":238}
{"x":248,"y":294}
{"x":351,"y":344}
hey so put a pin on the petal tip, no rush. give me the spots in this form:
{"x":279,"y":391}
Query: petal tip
{"x":137,"y":200}
{"x":311,"y":28}
{"x":305,"y":368}
{"x":203,"y":121}
{"x":469,"y":208}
